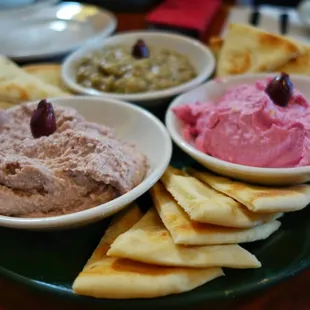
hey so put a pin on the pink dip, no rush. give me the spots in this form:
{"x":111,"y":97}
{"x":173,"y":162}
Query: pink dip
{"x":245,"y":127}
{"x":79,"y":166}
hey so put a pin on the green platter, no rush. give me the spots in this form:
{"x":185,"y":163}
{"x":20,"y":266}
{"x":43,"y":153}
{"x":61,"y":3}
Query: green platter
{"x":50,"y":261}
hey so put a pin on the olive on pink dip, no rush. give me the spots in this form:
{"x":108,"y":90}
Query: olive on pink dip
{"x":54,"y":162}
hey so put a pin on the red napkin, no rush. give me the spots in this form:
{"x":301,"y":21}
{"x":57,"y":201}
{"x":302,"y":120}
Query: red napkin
{"x":188,"y":14}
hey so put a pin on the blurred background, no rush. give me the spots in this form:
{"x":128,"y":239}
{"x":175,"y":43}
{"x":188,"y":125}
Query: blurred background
{"x":146,"y":5}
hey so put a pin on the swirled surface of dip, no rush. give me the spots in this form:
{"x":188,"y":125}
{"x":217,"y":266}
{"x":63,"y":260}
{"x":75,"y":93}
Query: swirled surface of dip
{"x":245,"y":127}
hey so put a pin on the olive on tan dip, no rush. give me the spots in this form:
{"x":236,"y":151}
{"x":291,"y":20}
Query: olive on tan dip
{"x":133,"y":69}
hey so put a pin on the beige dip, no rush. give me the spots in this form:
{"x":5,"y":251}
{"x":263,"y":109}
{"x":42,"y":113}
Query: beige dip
{"x":78,"y":167}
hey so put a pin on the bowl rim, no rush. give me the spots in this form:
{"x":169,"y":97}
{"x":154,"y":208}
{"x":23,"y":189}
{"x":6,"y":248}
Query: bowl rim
{"x":170,"y":119}
{"x":169,"y":92}
{"x":114,"y":205}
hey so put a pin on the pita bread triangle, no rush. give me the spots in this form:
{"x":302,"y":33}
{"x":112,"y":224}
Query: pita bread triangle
{"x":248,"y":49}
{"x":204,"y":204}
{"x":48,"y":73}
{"x":259,"y":198}
{"x":17,"y":86}
{"x":6,"y":105}
{"x":298,"y":65}
{"x":149,"y":241}
{"x":26,"y":87}
{"x":110,"y":277}
{"x":185,"y":231}
{"x":215,"y":44}
{"x":9,"y":69}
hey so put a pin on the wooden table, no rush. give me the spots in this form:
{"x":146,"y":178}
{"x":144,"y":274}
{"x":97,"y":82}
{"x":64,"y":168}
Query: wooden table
{"x":293,"y":294}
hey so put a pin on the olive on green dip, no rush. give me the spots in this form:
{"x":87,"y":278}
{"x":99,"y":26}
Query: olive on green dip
{"x":133,"y":69}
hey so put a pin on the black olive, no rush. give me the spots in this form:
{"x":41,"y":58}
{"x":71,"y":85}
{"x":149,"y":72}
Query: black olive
{"x":43,"y":120}
{"x":280,"y":89}
{"x":140,"y":50}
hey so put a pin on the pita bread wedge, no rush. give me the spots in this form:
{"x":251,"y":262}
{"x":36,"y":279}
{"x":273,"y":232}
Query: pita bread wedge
{"x":48,"y":73}
{"x":149,"y":241}
{"x":215,"y":44}
{"x":185,"y":231}
{"x":298,"y":65}
{"x":25,"y":87}
{"x":206,"y":205}
{"x":249,"y":49}
{"x":17,"y":86}
{"x":8,"y":69}
{"x":6,"y":105}
{"x":110,"y":277}
{"x":259,"y":198}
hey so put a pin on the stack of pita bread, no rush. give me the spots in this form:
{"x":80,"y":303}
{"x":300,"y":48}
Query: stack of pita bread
{"x":183,"y":241}
{"x":33,"y":82}
{"x":247,"y":49}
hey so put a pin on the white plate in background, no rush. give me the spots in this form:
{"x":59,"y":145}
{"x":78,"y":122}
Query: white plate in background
{"x":54,"y":31}
{"x":8,"y":8}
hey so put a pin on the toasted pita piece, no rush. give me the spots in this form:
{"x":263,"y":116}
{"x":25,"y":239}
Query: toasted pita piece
{"x":17,"y":86}
{"x":298,"y":65}
{"x":110,"y":277}
{"x":215,"y":44}
{"x":149,"y":241}
{"x":187,"y":232}
{"x":6,"y":105}
{"x":259,"y":198}
{"x":25,"y":88}
{"x":206,"y":205}
{"x":48,"y":73}
{"x":8,"y":69}
{"x":249,"y":49}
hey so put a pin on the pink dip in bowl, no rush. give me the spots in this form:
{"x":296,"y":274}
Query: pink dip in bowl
{"x":245,"y":127}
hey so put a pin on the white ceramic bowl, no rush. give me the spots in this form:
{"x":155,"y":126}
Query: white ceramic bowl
{"x":200,"y":56}
{"x":131,"y":123}
{"x":212,"y":90}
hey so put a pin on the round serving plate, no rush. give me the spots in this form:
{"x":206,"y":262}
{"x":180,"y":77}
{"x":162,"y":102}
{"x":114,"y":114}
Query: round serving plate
{"x":54,"y":31}
{"x":51,"y":261}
